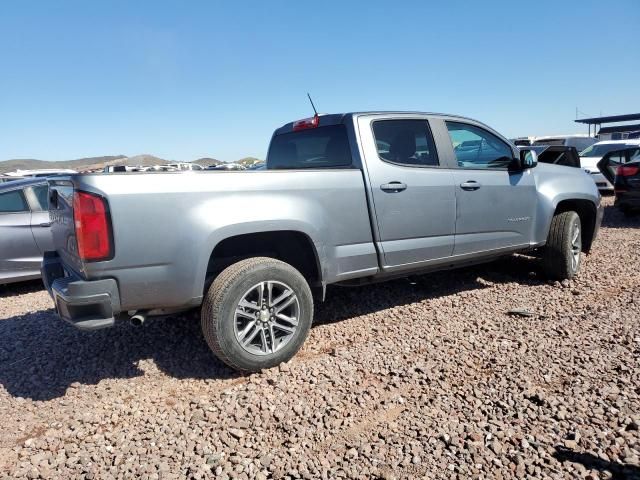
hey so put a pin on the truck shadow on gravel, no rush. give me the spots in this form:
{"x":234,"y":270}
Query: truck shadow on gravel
{"x":20,"y":288}
{"x":41,"y":356}
{"x":591,"y":462}
{"x":614,"y":218}
{"x":348,"y":302}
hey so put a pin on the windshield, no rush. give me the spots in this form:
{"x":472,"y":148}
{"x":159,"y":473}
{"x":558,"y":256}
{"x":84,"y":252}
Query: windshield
{"x":599,"y":150}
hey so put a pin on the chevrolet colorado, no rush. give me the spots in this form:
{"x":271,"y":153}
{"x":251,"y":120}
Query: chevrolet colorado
{"x":345,"y":199}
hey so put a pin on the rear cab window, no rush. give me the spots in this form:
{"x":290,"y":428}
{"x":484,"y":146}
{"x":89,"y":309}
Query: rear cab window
{"x":13,"y":202}
{"x":39,"y":197}
{"x":320,"y":147}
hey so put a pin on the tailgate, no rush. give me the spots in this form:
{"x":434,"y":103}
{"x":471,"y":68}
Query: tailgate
{"x":62,"y":223}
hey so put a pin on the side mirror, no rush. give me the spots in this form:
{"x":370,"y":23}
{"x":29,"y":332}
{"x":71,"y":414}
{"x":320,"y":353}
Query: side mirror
{"x":528,"y":158}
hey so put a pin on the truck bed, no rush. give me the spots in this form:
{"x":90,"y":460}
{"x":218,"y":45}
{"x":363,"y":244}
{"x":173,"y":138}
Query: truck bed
{"x":166,"y":225}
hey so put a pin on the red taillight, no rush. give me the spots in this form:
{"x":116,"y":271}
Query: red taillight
{"x":92,"y":226}
{"x":311,"y":122}
{"x":627,"y":170}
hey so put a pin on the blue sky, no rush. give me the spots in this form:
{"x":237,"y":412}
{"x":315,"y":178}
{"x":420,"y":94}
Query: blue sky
{"x":184,"y":80}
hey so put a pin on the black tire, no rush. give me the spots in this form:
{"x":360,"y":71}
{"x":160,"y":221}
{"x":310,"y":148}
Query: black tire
{"x":558,"y":258}
{"x":219,"y":319}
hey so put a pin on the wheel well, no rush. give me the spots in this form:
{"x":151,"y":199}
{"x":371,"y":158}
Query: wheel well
{"x":586,"y":210}
{"x":294,"y":248}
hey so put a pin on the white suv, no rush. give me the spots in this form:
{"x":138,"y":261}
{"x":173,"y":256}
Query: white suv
{"x":590,"y":157}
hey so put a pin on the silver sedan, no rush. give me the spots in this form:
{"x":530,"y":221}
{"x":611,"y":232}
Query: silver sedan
{"x":25,"y":232}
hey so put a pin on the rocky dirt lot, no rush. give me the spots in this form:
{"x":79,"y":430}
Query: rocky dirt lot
{"x":424,"y":378}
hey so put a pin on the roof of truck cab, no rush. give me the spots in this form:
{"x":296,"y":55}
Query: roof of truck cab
{"x":21,"y":183}
{"x":338,"y":118}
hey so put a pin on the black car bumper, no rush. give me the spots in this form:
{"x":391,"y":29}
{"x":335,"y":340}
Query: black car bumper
{"x":628,"y":200}
{"x":86,"y":304}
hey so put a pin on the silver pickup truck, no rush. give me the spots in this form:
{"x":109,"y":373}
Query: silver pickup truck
{"x":345,"y":199}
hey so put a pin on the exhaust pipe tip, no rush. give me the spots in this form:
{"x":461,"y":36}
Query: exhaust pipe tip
{"x":137,"y":320}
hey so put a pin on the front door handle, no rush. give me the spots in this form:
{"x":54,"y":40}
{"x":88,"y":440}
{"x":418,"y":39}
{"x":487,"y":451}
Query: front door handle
{"x":393,"y":187}
{"x":45,"y":224}
{"x":470,"y":185}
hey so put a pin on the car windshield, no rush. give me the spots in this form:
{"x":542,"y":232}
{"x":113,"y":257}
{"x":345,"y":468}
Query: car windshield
{"x":599,"y":150}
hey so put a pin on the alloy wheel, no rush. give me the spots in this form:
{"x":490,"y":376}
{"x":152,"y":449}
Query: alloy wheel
{"x":576,"y":246}
{"x":266,"y":317}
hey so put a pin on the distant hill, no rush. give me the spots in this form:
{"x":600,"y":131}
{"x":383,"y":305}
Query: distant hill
{"x":248,"y":161}
{"x":207,"y":161}
{"x":144,"y":160}
{"x":79,"y":164}
{"x":89,"y":163}
{"x":95,"y":163}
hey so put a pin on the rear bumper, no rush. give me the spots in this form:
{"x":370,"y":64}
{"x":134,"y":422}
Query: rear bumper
{"x":86,"y":304}
{"x":628,"y":200}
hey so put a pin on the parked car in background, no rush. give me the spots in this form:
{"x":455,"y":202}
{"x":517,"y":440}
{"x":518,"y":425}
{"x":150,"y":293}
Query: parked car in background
{"x":25,"y":232}
{"x":580,"y":142}
{"x":121,"y":169}
{"x":41,"y":172}
{"x":557,"y":155}
{"x":157,"y":168}
{"x":186,"y":166}
{"x":226,"y":166}
{"x":590,"y":157}
{"x":347,"y":199}
{"x":521,"y":141}
{"x":622,"y":169}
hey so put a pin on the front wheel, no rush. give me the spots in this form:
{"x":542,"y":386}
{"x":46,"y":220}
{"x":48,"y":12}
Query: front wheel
{"x":562,"y":254}
{"x":257,"y":313}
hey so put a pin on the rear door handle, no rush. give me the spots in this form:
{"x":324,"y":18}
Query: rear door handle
{"x":470,"y":185}
{"x":45,"y":224}
{"x":393,"y":187}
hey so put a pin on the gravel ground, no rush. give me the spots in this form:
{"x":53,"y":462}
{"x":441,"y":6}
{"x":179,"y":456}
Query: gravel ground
{"x":424,"y":378}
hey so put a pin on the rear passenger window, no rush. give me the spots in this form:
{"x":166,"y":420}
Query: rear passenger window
{"x":322,"y":147}
{"x":41,"y":194}
{"x":406,"y":142}
{"x":12,"y":202}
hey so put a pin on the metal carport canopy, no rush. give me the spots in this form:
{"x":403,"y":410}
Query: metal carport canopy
{"x":610,"y":119}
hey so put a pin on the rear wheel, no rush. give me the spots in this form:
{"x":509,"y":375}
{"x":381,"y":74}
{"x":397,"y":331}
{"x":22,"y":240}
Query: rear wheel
{"x":257,"y":313}
{"x":561,"y":256}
